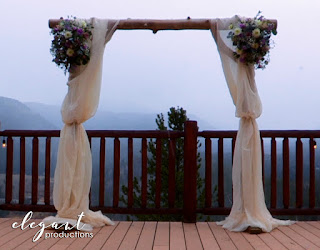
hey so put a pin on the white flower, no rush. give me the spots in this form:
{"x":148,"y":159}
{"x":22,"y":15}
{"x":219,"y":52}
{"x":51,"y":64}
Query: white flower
{"x":237,"y":31}
{"x":68,"y":34}
{"x":258,"y":22}
{"x":256,"y":33}
{"x":238,"y":51}
{"x":231,"y":26}
{"x":70,"y":52}
{"x":84,"y":24}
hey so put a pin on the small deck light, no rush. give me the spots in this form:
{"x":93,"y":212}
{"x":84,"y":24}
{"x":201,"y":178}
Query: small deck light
{"x":4,"y":143}
{"x":314,"y":144}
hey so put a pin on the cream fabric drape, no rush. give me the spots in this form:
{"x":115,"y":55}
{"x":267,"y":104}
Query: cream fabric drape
{"x":72,"y":178}
{"x":249,"y":208}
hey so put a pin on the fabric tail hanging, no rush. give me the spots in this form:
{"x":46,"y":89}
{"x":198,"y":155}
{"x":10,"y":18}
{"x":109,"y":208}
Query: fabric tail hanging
{"x":249,"y":208}
{"x":73,"y":172}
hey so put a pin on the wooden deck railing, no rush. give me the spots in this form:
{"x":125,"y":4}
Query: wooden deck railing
{"x":213,"y":205}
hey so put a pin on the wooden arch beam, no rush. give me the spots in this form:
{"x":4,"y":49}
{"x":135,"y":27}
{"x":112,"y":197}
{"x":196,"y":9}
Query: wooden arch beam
{"x":155,"y":25}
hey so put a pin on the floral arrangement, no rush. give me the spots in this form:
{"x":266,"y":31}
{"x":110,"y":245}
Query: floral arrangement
{"x":251,"y":37}
{"x":71,"y":43}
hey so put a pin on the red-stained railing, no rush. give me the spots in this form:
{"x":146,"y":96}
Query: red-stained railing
{"x":290,"y":205}
{"x":214,"y":202}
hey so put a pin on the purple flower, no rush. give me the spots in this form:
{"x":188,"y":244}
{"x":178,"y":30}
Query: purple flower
{"x":242,"y":25}
{"x":80,"y":31}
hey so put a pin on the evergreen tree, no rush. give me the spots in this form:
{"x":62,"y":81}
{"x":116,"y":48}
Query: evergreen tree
{"x":176,"y":120}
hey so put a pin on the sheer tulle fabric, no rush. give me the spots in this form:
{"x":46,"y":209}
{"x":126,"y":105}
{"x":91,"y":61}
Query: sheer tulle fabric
{"x":72,"y":178}
{"x":249,"y":208}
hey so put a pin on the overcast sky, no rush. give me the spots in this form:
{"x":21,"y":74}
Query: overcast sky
{"x":144,"y":72}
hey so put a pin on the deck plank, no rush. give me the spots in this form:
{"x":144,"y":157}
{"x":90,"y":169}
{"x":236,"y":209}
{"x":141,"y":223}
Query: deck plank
{"x":161,"y":240}
{"x":63,"y":243}
{"x":81,"y":243}
{"x":130,"y":240}
{"x":310,"y":228}
{"x":221,"y":236}
{"x":8,"y":233}
{"x":272,"y":242}
{"x":45,"y":244}
{"x":117,"y":235}
{"x":239,"y":240}
{"x":302,"y":241}
{"x":147,"y":235}
{"x":6,"y":226}
{"x":192,"y":236}
{"x":315,"y":224}
{"x":285,"y":240}
{"x":177,"y":239}
{"x":28,"y":244}
{"x":306,"y":234}
{"x":255,"y":241}
{"x":206,"y":236}
{"x":23,"y":236}
{"x":101,"y":237}
{"x":3,"y":220}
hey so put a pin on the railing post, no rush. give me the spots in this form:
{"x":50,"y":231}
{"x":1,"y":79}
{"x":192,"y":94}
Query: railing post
{"x":190,"y":171}
{"x":9,"y":170}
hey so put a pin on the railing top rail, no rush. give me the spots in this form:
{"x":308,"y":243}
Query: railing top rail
{"x":263,"y":133}
{"x":98,"y":133}
{"x":163,"y":134}
{"x":290,"y":133}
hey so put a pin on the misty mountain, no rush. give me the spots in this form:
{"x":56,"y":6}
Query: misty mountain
{"x":16,"y":115}
{"x":107,"y":120}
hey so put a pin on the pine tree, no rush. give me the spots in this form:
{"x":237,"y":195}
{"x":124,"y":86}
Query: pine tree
{"x":176,"y":119}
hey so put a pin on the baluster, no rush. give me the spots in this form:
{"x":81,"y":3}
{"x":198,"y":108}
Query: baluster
{"x":35,"y":169}
{"x":273,"y":173}
{"x":208,"y":177}
{"x":172,"y":172}
{"x":158,"y":172}
{"x":312,"y":187}
{"x":116,"y":172}
{"x":286,"y":173}
{"x":102,"y":170}
{"x":130,"y":172}
{"x":299,"y":173}
{"x":262,"y":159}
{"x":220,"y":173}
{"x":47,"y":172}
{"x":22,"y":183}
{"x":144,"y":174}
{"x":233,"y":144}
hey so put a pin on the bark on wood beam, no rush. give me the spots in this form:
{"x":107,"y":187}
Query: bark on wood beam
{"x":155,"y":25}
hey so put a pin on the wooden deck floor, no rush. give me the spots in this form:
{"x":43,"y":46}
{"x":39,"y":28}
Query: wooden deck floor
{"x":164,"y":235}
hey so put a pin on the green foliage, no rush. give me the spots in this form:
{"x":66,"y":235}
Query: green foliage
{"x":176,"y":119}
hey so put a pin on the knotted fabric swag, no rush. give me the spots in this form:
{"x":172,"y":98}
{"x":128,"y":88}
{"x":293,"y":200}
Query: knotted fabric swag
{"x":249,"y":208}
{"x":72,"y":179}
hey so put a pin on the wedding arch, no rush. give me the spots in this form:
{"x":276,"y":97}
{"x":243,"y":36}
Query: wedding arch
{"x":72,"y":178}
